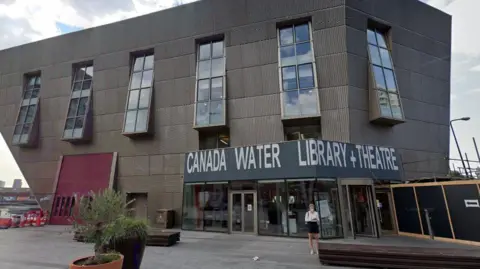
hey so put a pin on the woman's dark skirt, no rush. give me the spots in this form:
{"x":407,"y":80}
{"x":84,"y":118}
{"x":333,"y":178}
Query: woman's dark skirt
{"x":312,"y":227}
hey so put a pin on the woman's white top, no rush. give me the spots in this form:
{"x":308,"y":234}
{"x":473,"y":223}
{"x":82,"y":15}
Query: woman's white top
{"x":312,"y":217}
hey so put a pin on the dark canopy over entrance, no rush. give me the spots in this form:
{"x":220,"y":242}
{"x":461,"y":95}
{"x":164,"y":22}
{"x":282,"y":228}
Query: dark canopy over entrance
{"x":296,"y":159}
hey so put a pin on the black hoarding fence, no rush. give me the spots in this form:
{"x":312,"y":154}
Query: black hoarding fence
{"x":452,"y":209}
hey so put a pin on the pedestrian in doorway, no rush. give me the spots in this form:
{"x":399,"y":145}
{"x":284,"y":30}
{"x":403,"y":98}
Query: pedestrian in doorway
{"x":312,"y":220}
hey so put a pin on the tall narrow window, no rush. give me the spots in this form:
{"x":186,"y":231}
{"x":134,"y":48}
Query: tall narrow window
{"x":384,"y":81}
{"x":28,"y":110}
{"x":137,"y":114}
{"x":210,"y":103}
{"x":214,"y":140}
{"x":79,"y":102}
{"x":297,"y":72}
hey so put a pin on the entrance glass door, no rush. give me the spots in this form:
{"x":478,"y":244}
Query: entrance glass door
{"x":362,"y":206}
{"x":243,"y":212}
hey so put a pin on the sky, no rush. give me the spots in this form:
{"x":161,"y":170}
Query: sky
{"x":23,"y":21}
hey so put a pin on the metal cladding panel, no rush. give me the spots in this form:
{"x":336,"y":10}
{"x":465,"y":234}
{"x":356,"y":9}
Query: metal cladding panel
{"x":295,"y":159}
{"x":79,"y":174}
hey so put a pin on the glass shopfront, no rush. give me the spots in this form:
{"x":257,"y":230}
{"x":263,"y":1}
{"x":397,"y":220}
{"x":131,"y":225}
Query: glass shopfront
{"x":268,"y":207}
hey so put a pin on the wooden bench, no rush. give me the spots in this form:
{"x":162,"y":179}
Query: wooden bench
{"x":397,"y":257}
{"x":155,"y":238}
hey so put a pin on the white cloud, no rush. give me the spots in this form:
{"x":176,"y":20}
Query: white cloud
{"x":23,"y":21}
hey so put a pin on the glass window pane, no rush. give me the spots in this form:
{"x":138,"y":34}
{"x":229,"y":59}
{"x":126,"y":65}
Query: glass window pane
{"x":30,"y":113}
{"x":395,"y":104}
{"x":384,"y":104}
{"x":202,"y":115}
{"x":130,"y":119}
{"x":18,"y":129}
{"x":149,"y":62}
{"x":386,"y":61}
{"x":371,"y":37}
{"x":291,"y":105}
{"x":193,"y":197}
{"x":72,"y":110}
{"x":300,"y":195}
{"x":82,"y":106}
{"x":374,"y":55}
{"x":70,"y":124}
{"x":144,"y":98}
{"x":272,"y":208}
{"x":133,"y":99}
{"x":217,"y":89}
{"x":16,"y":138}
{"x":218,"y":68}
{"x":79,"y":74}
{"x":26,"y":128}
{"x":305,"y":76}
{"x":217,"y":50}
{"x":379,"y":78}
{"x":289,"y":77}
{"x":78,"y":123}
{"x":287,"y":56}
{"x":31,"y":81}
{"x":38,"y":81}
{"x":87,"y":84}
{"x":203,"y":90}
{"x":68,"y":133}
{"x":142,"y":117}
{"x":216,"y":207}
{"x":22,"y":114}
{"x":77,"y":132}
{"x":286,"y":36}
{"x":147,"y":79}
{"x":327,"y":204}
{"x":216,"y":112}
{"x":136,"y":80}
{"x":205,"y":51}
{"x":308,"y":100}
{"x":302,"y":33}
{"x":89,"y":72}
{"x":77,"y":86}
{"x":35,"y":93}
{"x":27,"y":94}
{"x":204,"y":69}
{"x":85,"y":93}
{"x":304,"y":53}
{"x":381,"y":40}
{"x":24,"y":138}
{"x":138,"y":65}
{"x":390,"y":78}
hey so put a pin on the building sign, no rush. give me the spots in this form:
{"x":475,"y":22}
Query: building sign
{"x":296,"y":159}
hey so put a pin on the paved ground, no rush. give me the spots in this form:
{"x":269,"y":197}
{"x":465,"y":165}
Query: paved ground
{"x":52,"y":247}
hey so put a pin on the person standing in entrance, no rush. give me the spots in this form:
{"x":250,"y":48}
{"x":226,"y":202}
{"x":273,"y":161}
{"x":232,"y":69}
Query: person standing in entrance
{"x":312,"y":220}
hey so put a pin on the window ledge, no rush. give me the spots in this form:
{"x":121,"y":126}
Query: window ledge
{"x":25,"y":145}
{"x":387,"y":121}
{"x":210,"y":126}
{"x":136,"y":134}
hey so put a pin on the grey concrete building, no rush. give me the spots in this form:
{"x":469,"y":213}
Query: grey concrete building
{"x":137,"y":95}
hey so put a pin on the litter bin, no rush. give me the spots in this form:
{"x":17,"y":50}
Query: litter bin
{"x":165,"y":218}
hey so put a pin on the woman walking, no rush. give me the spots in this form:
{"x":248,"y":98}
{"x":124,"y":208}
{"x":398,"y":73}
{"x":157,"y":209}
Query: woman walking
{"x":312,"y":220}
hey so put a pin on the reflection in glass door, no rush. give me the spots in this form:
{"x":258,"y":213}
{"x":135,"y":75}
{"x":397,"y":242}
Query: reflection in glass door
{"x":243,"y":208}
{"x":362,"y":210}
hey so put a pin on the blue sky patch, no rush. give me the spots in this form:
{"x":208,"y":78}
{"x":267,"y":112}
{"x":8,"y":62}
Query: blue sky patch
{"x":65,"y":28}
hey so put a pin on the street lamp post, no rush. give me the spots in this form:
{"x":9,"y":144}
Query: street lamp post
{"x":456,"y":142}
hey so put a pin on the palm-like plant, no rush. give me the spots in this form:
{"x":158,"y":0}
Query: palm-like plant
{"x":102,"y":219}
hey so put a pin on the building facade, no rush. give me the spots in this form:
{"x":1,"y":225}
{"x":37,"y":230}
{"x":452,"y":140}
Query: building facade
{"x":121,"y":105}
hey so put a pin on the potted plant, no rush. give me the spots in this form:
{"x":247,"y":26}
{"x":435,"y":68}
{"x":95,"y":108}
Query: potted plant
{"x":119,"y":240}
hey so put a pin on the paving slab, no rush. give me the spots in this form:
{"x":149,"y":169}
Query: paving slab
{"x":52,"y":247}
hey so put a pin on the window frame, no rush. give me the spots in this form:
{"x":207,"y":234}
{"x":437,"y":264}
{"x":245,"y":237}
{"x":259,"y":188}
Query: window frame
{"x":204,"y":136}
{"x":315,"y":87}
{"x":374,"y":90}
{"x":80,"y":96}
{"x":133,"y":58}
{"x":33,"y":123}
{"x":223,"y":100}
